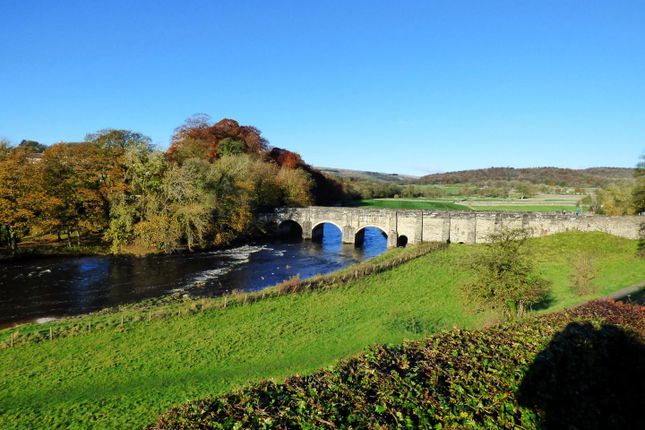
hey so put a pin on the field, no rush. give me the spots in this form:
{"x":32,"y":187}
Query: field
{"x":124,"y":376}
{"x":540,"y":203}
{"x":413,"y":204}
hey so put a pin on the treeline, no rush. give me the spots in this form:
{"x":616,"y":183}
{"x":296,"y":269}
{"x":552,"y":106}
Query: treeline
{"x":115,"y":186}
{"x":360,"y":189}
{"x":554,"y":176}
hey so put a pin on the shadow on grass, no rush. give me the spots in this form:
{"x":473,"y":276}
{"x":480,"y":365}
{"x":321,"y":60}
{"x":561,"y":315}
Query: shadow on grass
{"x":545,"y":303}
{"x":588,"y":378}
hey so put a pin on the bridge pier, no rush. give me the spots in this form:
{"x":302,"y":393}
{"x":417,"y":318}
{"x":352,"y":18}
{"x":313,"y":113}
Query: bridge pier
{"x":349,"y":234}
{"x":307,"y":230}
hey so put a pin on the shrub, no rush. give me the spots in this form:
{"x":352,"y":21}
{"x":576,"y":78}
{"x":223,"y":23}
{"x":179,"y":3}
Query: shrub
{"x":584,"y":273}
{"x":504,"y":274}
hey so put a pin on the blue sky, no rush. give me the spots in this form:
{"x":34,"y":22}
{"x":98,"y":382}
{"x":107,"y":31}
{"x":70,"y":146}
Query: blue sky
{"x":406,"y":86}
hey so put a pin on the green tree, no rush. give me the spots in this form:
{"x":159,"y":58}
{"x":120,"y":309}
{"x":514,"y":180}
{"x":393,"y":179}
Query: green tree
{"x":504,"y":274}
{"x":32,"y":146}
{"x":230,"y":146}
{"x":639,"y":202}
{"x":180,"y":211}
{"x":143,"y":176}
{"x":615,"y":200}
{"x":639,"y":189}
{"x":296,"y":187}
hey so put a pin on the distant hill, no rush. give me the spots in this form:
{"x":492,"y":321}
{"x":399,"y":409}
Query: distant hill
{"x":591,"y":177}
{"x":365,"y":175}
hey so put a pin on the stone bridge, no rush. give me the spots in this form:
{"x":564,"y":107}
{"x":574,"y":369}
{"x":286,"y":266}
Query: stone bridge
{"x":413,"y":226}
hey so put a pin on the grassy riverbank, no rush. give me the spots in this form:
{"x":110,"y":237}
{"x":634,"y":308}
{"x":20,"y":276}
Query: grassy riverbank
{"x":116,"y":375}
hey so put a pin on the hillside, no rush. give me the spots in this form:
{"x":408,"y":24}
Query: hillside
{"x":591,"y":177}
{"x":349,"y":174}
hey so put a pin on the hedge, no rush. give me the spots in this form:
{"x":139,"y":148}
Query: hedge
{"x":580,"y":368}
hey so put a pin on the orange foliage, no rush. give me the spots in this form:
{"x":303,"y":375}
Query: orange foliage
{"x":197,"y":130}
{"x":286,"y":158}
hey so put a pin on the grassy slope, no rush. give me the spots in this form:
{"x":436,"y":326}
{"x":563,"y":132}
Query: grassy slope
{"x":112,"y":378}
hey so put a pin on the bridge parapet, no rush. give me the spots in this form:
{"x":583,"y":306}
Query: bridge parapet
{"x":464,"y":227}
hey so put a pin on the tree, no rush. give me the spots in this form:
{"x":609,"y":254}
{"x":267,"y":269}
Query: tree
{"x":198,"y":137}
{"x":32,"y":146}
{"x":615,"y":200}
{"x":639,"y":189}
{"x":639,"y":202}
{"x":229,"y":146}
{"x":504,"y":274}
{"x":286,"y":158}
{"x":76,"y":175}
{"x":296,"y":187}
{"x":143,"y":176}
{"x":180,"y":210}
{"x":117,"y":140}
{"x":23,"y":202}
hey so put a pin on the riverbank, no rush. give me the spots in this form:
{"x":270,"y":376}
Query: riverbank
{"x":123,"y":375}
{"x":181,"y":304}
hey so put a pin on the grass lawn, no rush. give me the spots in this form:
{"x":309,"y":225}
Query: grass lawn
{"x":412,"y":204}
{"x":124,"y":377}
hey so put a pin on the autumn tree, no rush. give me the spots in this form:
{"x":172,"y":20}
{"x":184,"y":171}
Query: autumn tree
{"x":76,"y":174}
{"x":286,"y":158}
{"x":23,"y":202}
{"x":197,"y":137}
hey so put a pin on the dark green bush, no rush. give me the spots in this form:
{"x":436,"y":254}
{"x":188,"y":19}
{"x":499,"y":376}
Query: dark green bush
{"x":519,"y":375}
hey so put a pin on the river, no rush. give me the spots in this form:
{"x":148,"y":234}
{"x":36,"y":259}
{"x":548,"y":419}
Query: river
{"x":44,"y":288}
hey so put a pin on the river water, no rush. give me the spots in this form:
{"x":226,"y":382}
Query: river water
{"x":43,"y":288}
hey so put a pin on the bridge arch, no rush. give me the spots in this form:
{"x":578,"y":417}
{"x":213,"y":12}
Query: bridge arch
{"x":402,"y":241}
{"x":359,"y":235}
{"x":317,"y":231}
{"x":290,"y":229}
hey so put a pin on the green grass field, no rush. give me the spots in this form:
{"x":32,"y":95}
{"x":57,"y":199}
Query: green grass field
{"x":124,"y":377}
{"x":478,"y":204}
{"x":413,"y":204}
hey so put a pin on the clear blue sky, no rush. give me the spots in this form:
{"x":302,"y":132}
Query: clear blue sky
{"x":394,"y":86}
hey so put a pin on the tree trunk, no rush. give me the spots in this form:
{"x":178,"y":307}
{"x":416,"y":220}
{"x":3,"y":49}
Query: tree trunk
{"x":78,"y":238}
{"x":13,"y":240}
{"x":69,"y":239}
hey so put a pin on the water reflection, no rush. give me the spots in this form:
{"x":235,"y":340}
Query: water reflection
{"x":51,"y":287}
